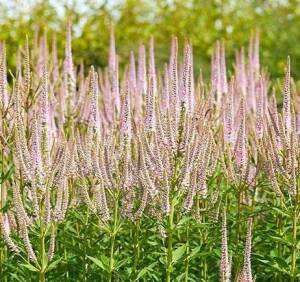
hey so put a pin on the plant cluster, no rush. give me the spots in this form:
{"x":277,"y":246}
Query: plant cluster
{"x":147,"y":175}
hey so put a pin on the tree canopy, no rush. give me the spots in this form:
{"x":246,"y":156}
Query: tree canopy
{"x":202,"y":22}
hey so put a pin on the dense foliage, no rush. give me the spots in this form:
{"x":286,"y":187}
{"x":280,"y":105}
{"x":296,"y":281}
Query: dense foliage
{"x":147,"y":174}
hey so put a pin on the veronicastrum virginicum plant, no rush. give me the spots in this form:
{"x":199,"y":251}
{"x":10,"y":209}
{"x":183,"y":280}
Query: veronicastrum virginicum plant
{"x":146,"y":174}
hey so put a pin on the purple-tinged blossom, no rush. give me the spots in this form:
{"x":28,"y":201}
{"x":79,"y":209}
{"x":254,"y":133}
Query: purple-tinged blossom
{"x":152,"y":71}
{"x":125,"y":128}
{"x":241,"y":138}
{"x":94,"y":108}
{"x":44,"y":98}
{"x":51,"y":248}
{"x":27,"y":243}
{"x":225,"y":268}
{"x":216,"y":74}
{"x":68,"y":71}
{"x":186,"y":79}
{"x":5,"y":230}
{"x":132,"y":73}
{"x":241,"y":71}
{"x":36,"y":150}
{"x":43,"y":55}
{"x":228,"y":116}
{"x":223,"y":75}
{"x":3,"y":78}
{"x":192,"y":102}
{"x":173,"y":77}
{"x":259,"y":110}
{"x":165,"y":91}
{"x":286,"y":111}
{"x":247,"y":272}
{"x":142,"y":72}
{"x":150,"y":118}
{"x":54,"y":60}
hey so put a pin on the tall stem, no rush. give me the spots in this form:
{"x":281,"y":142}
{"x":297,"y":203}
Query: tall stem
{"x":112,"y":240}
{"x":86,"y":264}
{"x":294,"y":245}
{"x":43,"y":263}
{"x":136,"y":249}
{"x":279,"y":244}
{"x":187,"y":261}
{"x":2,"y":198}
{"x":170,"y":243}
{"x":42,"y":277}
{"x":204,"y":243}
{"x":238,"y":214}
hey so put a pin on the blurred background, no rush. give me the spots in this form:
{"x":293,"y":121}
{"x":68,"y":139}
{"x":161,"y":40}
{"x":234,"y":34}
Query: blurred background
{"x":201,"y":21}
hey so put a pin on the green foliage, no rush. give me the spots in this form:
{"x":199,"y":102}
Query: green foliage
{"x":202,"y":22}
{"x":183,"y":247}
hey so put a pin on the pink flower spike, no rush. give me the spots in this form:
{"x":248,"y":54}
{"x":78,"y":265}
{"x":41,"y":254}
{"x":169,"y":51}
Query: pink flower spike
{"x":150,"y":120}
{"x":165,"y":91}
{"x":152,"y":72}
{"x":173,"y":76}
{"x":286,"y":111}
{"x":125,"y":128}
{"x":223,"y":75}
{"x":142,"y":75}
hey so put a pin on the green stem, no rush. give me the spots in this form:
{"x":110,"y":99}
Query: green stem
{"x":187,"y":251}
{"x":205,"y":237}
{"x":238,"y":214}
{"x":43,"y":263}
{"x":112,"y":240}
{"x":279,"y":244}
{"x":2,"y":253}
{"x":43,"y":259}
{"x":170,"y":243}
{"x":86,"y":264}
{"x":65,"y":255}
{"x":42,"y":277}
{"x":136,"y":250}
{"x":294,"y":246}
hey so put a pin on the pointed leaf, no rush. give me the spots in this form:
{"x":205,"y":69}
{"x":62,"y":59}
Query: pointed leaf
{"x":97,"y":262}
{"x":178,"y":253}
{"x":30,"y":267}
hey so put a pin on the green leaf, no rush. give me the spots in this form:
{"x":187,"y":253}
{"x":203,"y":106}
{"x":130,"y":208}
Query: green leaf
{"x":264,"y":261}
{"x":15,"y":276}
{"x":162,"y":260}
{"x":142,"y":273}
{"x":280,"y":269}
{"x":30,"y":267}
{"x":178,"y":253}
{"x":5,"y":176}
{"x":145,"y":270}
{"x":121,"y":263}
{"x":97,"y":262}
{"x":281,"y":211}
{"x":183,"y":221}
{"x":105,"y":261}
{"x":279,"y":239}
{"x":194,"y":252}
{"x":45,"y":262}
{"x":53,"y":264}
{"x":180,"y":277}
{"x":281,"y":262}
{"x":6,"y":207}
